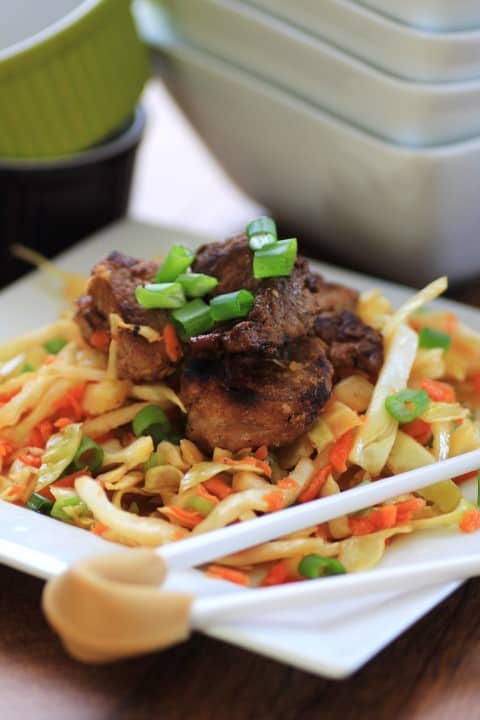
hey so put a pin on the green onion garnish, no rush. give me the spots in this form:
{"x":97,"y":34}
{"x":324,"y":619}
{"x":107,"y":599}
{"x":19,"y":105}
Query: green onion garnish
{"x":153,"y":461}
{"x":89,"y":455}
{"x":54,"y":345}
{"x":231,"y":305}
{"x":160,"y":296}
{"x":151,"y":420}
{"x":407,"y":405}
{"x":429,"y":338}
{"x":275,"y":261}
{"x":194,"y":318}
{"x":261,"y":233}
{"x":177,"y":261}
{"x":39,"y":504}
{"x":196,"y":285}
{"x":28,"y":367}
{"x":200,"y":505}
{"x":58,"y":509}
{"x":313,"y":566}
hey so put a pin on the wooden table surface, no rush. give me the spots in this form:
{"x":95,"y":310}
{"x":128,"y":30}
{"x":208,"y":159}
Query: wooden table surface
{"x":430,"y":672}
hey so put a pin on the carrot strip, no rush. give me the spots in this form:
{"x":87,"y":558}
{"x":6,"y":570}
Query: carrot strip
{"x":260,"y":464}
{"x":322,"y":531}
{"x":419,"y":430}
{"x":63,"y":422}
{"x":100,"y":340}
{"x":438,"y":391}
{"x":203,"y":492}
{"x":451,"y":323}
{"x":275,"y":501}
{"x":262,"y":452}
{"x":99,"y":528}
{"x":339,"y":453}
{"x":173,"y":347}
{"x":287,"y":483}
{"x":311,"y":491}
{"x":277,"y":574}
{"x":470,"y":521}
{"x":235,"y":576}
{"x":463,"y":478}
{"x":186,"y":518}
{"x":361,"y":525}
{"x":31,"y":460}
{"x":218,"y":488}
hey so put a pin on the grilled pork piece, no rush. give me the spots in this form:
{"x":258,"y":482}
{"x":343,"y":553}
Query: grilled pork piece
{"x":248,"y":400}
{"x":352,"y":345}
{"x":285,"y":307}
{"x":111,"y":289}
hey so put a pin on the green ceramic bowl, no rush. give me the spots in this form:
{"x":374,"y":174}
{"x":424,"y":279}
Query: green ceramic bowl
{"x":71,"y":72}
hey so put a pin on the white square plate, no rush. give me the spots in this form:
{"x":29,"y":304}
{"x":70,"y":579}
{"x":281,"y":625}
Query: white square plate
{"x":337,"y":640}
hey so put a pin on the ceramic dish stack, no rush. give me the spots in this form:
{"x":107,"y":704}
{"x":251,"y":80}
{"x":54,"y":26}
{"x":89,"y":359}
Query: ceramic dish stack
{"x":71,"y":72}
{"x":362,"y":130}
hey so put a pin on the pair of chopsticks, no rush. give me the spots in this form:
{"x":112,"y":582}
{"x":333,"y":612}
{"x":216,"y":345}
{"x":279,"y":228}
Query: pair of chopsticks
{"x":112,"y":606}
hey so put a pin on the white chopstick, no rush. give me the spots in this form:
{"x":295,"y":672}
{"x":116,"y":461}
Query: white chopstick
{"x":227,"y":607}
{"x":204,"y":548}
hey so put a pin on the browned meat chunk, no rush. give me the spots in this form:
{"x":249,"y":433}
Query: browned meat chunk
{"x":351,"y":344}
{"x":285,"y":308}
{"x":111,"y":289}
{"x":248,"y":400}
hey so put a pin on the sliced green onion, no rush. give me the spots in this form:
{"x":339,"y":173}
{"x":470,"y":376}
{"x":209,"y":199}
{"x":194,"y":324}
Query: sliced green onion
{"x":177,"y":261}
{"x":231,"y":305}
{"x":429,"y":338}
{"x":261,"y":233}
{"x":275,"y":261}
{"x":151,"y":420}
{"x":160,"y":296}
{"x":39,"y":504}
{"x":260,"y":226}
{"x":27,"y":368}
{"x":313,"y":566}
{"x":478,"y":489}
{"x":407,"y":405}
{"x":196,"y":285}
{"x":194,"y":318}
{"x":58,"y":509}
{"x":54,"y":345}
{"x":200,"y":505}
{"x":89,"y":455}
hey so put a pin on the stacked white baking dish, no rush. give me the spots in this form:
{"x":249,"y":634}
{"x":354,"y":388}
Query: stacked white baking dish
{"x":357,"y":128}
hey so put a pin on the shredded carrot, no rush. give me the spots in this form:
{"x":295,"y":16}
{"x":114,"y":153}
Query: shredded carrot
{"x":277,"y":574}
{"x":15,"y":493}
{"x":438,"y":391}
{"x":339,"y":453}
{"x":36,"y":439}
{"x":410,"y":505}
{"x":384,"y":517}
{"x":99,"y":528}
{"x":100,"y":340}
{"x":287,"y":483}
{"x":6,"y":397}
{"x":71,"y":404}
{"x":274,"y":500}
{"x":217,"y":487}
{"x":360,"y":525}
{"x":173,"y":347}
{"x":311,"y":491}
{"x":67,"y":482}
{"x":186,"y":518}
{"x":50,"y":360}
{"x":235,"y":576}
{"x":470,"y":521}
{"x":62,"y":422}
{"x":6,"y":447}
{"x":203,"y":492}
{"x":321,"y":531}
{"x":419,"y":430}
{"x":262,"y":453}
{"x":260,"y":464}
{"x":463,"y":478}
{"x":31,"y":460}
{"x":451,"y":323}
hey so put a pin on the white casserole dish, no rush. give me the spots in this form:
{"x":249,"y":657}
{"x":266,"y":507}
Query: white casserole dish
{"x":434,"y":15}
{"x":405,"y":52}
{"x":397,"y":110}
{"x":406,"y":214}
